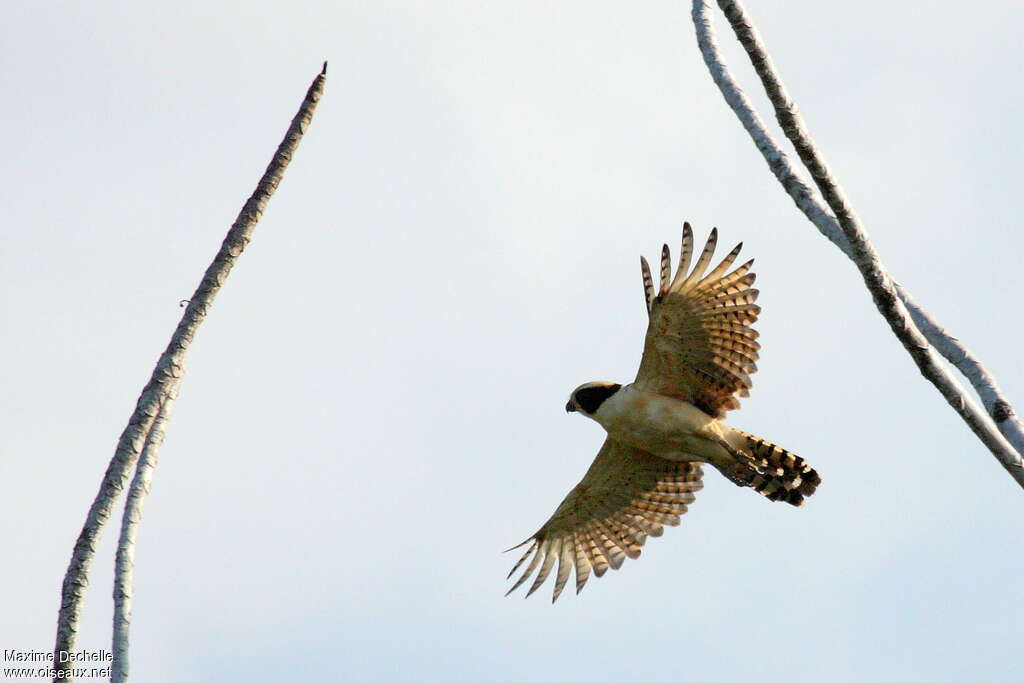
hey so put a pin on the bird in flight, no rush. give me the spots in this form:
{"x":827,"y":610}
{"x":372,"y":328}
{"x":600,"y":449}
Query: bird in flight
{"x":698,"y":356}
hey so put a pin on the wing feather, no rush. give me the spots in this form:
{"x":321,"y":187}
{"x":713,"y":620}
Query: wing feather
{"x":565,"y":563}
{"x":715,"y":275}
{"x":702,"y":262}
{"x":548,"y":550}
{"x":645,"y":271}
{"x":685,"y":255}
{"x":533,"y":546}
{"x":600,"y":560}
{"x":625,"y":496}
{"x":699,"y":346}
{"x":628,"y":539}
{"x":537,"y":554}
{"x":582,"y":559}
{"x":666,"y":269}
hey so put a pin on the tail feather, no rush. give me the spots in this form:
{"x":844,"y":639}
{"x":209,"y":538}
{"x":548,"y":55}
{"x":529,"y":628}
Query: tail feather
{"x":773,"y":471}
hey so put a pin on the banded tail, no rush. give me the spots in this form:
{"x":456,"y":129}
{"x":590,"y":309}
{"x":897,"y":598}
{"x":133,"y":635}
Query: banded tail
{"x":772,"y":471}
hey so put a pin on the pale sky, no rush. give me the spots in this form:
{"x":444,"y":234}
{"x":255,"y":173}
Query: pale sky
{"x":374,"y":408}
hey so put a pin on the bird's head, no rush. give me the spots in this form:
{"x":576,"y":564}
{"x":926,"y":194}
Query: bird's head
{"x":588,"y":398}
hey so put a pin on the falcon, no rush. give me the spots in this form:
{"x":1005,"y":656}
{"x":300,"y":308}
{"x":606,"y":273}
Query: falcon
{"x":698,"y":356}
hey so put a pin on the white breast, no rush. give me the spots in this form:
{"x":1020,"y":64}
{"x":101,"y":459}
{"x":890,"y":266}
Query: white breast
{"x":659,"y":424}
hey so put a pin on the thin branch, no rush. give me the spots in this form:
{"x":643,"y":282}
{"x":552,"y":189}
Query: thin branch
{"x":124,"y":564}
{"x":996,"y":404}
{"x":841,"y":225}
{"x":163,"y":380}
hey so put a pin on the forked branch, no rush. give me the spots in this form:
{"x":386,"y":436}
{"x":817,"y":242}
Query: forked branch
{"x":999,"y":429}
{"x":124,"y":562}
{"x":158,"y":394}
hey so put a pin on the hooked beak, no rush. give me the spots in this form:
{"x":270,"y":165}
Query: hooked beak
{"x":570,"y":408}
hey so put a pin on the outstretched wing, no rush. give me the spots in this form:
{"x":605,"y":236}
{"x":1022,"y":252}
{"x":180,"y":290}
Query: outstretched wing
{"x":625,"y":496}
{"x":699,"y":346}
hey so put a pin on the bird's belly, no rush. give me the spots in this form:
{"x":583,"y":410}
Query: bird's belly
{"x":669,"y":428}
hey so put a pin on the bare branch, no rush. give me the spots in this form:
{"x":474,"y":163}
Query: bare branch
{"x":164,"y":379}
{"x":909,"y":322}
{"x":124,"y":564}
{"x":996,"y":404}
